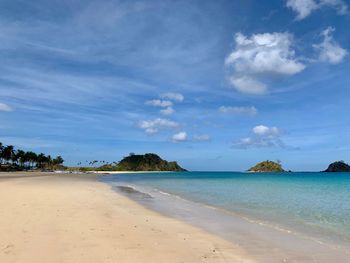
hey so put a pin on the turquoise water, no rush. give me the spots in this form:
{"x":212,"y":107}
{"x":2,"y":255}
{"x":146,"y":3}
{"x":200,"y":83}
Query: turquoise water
{"x":315,"y":204}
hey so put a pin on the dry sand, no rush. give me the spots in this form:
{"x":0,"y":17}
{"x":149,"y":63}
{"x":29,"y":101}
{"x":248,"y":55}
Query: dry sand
{"x":75,"y":218}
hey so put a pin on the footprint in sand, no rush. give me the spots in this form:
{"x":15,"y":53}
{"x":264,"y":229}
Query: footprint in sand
{"x":8,"y":249}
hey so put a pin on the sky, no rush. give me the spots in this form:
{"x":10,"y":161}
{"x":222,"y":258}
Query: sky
{"x":215,"y":85}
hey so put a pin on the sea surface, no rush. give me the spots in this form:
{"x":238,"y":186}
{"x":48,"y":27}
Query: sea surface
{"x":301,"y":217}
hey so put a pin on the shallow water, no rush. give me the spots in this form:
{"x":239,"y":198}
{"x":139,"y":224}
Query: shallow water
{"x":301,"y":217}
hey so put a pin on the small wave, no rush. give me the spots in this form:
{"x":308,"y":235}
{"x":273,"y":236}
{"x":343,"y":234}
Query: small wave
{"x":132,"y":191}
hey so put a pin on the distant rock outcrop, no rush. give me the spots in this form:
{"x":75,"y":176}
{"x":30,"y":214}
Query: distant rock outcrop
{"x":339,"y":166}
{"x":267,"y":166}
{"x":143,"y":162}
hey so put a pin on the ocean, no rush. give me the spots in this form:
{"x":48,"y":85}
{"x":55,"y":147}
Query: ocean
{"x":301,"y":217}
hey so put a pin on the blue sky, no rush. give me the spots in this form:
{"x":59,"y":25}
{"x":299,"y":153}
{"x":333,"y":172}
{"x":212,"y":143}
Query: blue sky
{"x":215,"y":85}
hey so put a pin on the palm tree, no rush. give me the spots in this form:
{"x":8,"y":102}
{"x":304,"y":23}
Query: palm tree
{"x":31,"y":158}
{"x":1,"y":149}
{"x":41,"y":160}
{"x":14,"y":157}
{"x":27,"y":160}
{"x":58,"y":160}
{"x":7,"y":152}
{"x":21,"y":158}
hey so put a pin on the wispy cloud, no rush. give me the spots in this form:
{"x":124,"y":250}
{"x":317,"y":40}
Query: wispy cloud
{"x":201,"y":137}
{"x":5,"y":107}
{"x":167,"y":111}
{"x":239,"y":110}
{"x":304,"y":8}
{"x":159,"y":103}
{"x":178,"y":97}
{"x":329,"y":50}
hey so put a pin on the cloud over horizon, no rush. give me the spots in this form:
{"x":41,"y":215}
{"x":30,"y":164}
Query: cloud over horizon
{"x":263,"y":136}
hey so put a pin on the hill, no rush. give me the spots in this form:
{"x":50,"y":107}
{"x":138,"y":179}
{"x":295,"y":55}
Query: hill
{"x":143,"y":162}
{"x":339,"y":166}
{"x":267,"y":166}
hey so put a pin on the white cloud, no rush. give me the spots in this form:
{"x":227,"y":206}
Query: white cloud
{"x":159,"y":103}
{"x":178,"y":97}
{"x":166,"y":102}
{"x":5,"y":107}
{"x":179,"y":137}
{"x":263,"y":130}
{"x":329,"y":49}
{"x":239,"y":110}
{"x":304,"y":8}
{"x":264,"y":136}
{"x":261,"y":55}
{"x":248,"y":85}
{"x":201,"y":137}
{"x":339,"y":5}
{"x":167,"y":111}
{"x":153,"y":126}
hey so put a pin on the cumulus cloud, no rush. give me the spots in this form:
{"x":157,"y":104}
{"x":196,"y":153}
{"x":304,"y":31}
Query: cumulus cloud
{"x":201,"y":137}
{"x":263,"y":130}
{"x":260,"y":55}
{"x":167,"y":101}
{"x":263,"y":136}
{"x":178,"y":97}
{"x":5,"y":107}
{"x":304,"y":8}
{"x":329,"y":50}
{"x":159,"y":103}
{"x":167,"y":111}
{"x":179,"y":137}
{"x":239,"y":110}
{"x":153,"y":126}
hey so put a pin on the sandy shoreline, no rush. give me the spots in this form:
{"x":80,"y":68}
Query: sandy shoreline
{"x":74,"y":218}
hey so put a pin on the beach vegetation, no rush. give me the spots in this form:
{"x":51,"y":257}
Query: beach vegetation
{"x":12,"y":159}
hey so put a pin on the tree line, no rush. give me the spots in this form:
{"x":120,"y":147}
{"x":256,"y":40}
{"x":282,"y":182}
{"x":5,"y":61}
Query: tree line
{"x":24,"y":160}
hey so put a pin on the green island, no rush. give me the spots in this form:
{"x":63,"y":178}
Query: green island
{"x":339,"y":166}
{"x":267,"y":166}
{"x":139,"y":162}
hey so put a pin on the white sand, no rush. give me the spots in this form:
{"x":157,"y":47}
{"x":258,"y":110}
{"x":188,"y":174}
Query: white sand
{"x":75,"y":218}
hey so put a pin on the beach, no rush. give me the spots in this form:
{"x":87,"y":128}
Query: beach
{"x":75,"y":218}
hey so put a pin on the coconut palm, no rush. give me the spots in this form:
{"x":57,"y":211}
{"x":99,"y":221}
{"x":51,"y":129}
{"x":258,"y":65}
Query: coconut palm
{"x":1,"y":150}
{"x":7,"y":153}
